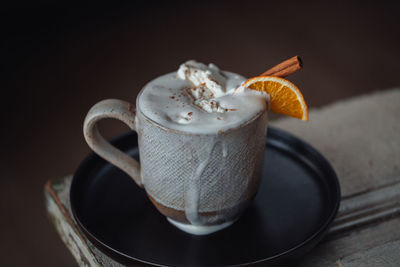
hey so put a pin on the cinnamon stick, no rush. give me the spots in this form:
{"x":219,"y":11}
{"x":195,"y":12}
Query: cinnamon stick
{"x":285,"y":68}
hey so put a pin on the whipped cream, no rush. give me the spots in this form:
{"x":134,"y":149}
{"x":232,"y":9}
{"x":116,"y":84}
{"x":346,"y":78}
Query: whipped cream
{"x":209,"y":83}
{"x":200,"y":99}
{"x":209,"y":78}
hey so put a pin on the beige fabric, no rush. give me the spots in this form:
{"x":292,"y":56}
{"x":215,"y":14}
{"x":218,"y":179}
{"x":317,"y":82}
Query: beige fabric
{"x":359,"y":136}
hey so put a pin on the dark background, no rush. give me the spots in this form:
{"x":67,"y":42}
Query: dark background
{"x":57,"y":61}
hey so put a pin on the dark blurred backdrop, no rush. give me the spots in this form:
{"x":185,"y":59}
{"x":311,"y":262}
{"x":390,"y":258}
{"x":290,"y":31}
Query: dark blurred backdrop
{"x":57,"y":61}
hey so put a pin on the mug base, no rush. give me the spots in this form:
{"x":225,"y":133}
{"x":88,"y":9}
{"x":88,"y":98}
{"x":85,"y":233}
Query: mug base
{"x":200,"y":229}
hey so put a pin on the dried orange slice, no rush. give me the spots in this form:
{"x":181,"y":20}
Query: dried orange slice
{"x":285,"y":97}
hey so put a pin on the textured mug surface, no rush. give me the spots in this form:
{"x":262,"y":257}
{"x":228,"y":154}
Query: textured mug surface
{"x":201,"y":179}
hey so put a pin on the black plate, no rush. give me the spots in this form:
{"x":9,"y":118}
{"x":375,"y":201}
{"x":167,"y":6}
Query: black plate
{"x":298,"y":199}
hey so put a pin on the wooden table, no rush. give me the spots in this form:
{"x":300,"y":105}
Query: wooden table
{"x":361,"y":139}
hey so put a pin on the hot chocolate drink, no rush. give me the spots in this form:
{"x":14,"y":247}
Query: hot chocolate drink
{"x":206,"y":135}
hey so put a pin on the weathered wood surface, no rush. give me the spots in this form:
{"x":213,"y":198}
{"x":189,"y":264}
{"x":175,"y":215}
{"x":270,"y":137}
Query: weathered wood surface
{"x":361,"y":138}
{"x":366,"y":208}
{"x":384,"y":255}
{"x":59,"y":209}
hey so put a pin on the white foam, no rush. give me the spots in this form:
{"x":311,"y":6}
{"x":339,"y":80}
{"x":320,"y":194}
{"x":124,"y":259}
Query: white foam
{"x":200,"y":99}
{"x":210,"y":78}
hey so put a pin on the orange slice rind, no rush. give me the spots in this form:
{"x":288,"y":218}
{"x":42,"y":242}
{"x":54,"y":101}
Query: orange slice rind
{"x":285,"y":97}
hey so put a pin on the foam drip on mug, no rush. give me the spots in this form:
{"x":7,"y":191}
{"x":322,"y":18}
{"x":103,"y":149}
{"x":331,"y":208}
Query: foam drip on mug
{"x":200,"y":99}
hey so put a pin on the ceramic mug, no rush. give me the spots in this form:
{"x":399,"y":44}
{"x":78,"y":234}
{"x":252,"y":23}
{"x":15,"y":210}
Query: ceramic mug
{"x":201,"y":182}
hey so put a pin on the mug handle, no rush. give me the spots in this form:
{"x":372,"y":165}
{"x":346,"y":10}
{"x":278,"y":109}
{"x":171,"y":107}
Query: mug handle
{"x":115,"y":109}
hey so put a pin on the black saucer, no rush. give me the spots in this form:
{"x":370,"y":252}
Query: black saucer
{"x":298,"y":199}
